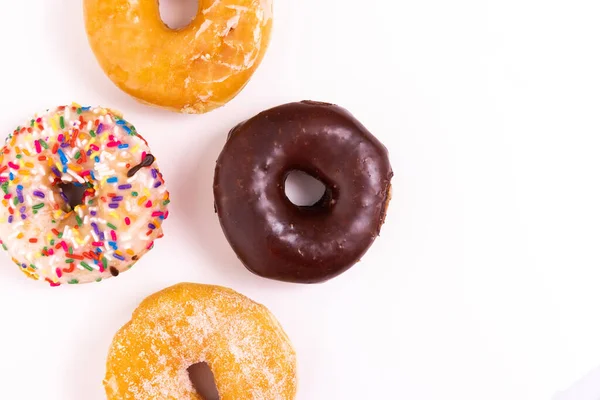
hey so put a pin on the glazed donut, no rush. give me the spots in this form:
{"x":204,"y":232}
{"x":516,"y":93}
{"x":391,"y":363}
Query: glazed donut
{"x":191,"y":70}
{"x":242,"y":343}
{"x":83,"y":197}
{"x":275,"y":238}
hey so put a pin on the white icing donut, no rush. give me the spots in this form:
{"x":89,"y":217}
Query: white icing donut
{"x":113,"y":223}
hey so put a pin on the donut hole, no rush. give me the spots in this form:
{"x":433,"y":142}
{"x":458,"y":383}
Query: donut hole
{"x":72,"y":195}
{"x":203,"y":381}
{"x":177,"y":14}
{"x":304,"y":190}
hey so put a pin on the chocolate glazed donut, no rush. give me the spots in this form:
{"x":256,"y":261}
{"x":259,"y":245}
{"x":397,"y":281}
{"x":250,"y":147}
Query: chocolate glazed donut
{"x":304,"y":244}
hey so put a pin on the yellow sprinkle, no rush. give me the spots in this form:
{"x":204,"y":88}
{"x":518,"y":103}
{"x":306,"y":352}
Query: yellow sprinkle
{"x":24,"y":172}
{"x":130,"y":252}
{"x":5,"y":203}
{"x":29,"y":164}
{"x":13,"y":141}
{"x":17,"y":150}
{"x":142,"y":200}
{"x":16,"y":180}
{"x":20,"y":235}
{"x":26,"y":152}
{"x":2,"y":220}
{"x":53,"y":123}
{"x":76,"y":105}
{"x":114,"y":215}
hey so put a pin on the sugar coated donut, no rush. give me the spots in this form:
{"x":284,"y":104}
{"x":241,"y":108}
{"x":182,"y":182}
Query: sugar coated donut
{"x":191,"y":70}
{"x":275,"y":238}
{"x":83,"y":198}
{"x":243,"y":344}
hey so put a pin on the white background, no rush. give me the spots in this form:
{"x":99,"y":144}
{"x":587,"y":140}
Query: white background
{"x":485,"y":283}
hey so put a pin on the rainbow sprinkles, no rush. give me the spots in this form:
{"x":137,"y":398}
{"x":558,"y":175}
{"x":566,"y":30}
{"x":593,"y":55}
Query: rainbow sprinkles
{"x":83,"y":198}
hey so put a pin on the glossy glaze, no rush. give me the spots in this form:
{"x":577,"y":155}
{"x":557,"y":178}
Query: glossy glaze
{"x":275,"y":238}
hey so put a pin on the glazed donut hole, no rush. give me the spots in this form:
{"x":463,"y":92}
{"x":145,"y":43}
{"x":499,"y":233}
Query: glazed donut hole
{"x":203,"y":381}
{"x":177,"y":14}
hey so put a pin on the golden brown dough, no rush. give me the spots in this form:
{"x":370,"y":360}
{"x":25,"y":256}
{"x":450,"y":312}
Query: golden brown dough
{"x":191,"y":70}
{"x":245,"y":347}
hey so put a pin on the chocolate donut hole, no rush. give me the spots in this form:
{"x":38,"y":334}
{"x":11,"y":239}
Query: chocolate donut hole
{"x":203,"y":381}
{"x":303,"y":189}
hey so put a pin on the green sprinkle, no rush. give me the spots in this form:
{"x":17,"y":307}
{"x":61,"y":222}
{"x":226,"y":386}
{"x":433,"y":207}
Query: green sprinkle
{"x":78,"y":219}
{"x":70,"y":250}
{"x":62,"y":122}
{"x":111,"y":226}
{"x":104,"y":262}
{"x":43,"y":143}
{"x":32,"y":123}
{"x":32,"y":266}
{"x":92,"y":133}
{"x":73,"y":282}
{"x":166,"y":202}
{"x":15,"y":200}
{"x":77,"y":155}
{"x":52,"y":242}
{"x":134,"y":194}
{"x":69,"y":261}
{"x":79,"y":110}
{"x":60,"y":235}
{"x":5,"y":187}
{"x":38,"y":206}
{"x":99,"y":280}
{"x":86,"y":266}
{"x":4,"y":246}
{"x":19,"y":156}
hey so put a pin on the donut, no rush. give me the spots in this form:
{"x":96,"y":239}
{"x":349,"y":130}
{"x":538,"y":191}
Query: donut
{"x":277,"y":239}
{"x":83,"y":198}
{"x":248,"y":352}
{"x":190,"y":70}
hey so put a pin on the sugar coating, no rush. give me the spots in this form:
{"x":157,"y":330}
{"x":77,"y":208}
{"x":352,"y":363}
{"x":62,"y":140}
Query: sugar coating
{"x":120,"y":216}
{"x":245,"y":347}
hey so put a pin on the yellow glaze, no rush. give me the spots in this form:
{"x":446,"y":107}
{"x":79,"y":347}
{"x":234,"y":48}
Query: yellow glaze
{"x":242,"y":343}
{"x":191,"y":70}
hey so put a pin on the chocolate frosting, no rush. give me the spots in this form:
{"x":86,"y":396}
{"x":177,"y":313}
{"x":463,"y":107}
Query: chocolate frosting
{"x":305,"y":244}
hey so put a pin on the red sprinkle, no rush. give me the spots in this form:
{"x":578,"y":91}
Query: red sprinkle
{"x":58,"y":272}
{"x":38,"y":147}
{"x":113,"y":235}
{"x":148,"y":204}
{"x":127,"y":221}
{"x":98,"y":244}
{"x":33,"y":240}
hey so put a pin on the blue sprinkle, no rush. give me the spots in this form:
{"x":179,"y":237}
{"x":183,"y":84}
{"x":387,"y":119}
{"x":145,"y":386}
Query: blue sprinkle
{"x":85,"y":108}
{"x":98,"y":250}
{"x":113,"y":245}
{"x":92,"y":175}
{"x":127,"y":129}
{"x":97,"y":159}
{"x":121,"y":122}
{"x":112,"y":179}
{"x":19,"y":187}
{"x":63,"y":158}
{"x":119,"y":257}
{"x":11,"y":176}
{"x":123,"y":146}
